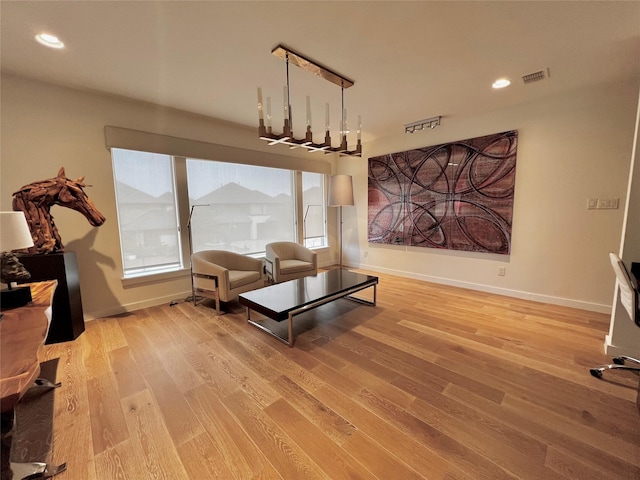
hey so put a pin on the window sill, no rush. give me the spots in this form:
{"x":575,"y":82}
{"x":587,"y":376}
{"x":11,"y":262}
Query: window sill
{"x":151,"y":278}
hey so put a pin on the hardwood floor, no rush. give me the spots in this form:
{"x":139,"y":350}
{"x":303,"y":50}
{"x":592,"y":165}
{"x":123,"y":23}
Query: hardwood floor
{"x":435,"y":382}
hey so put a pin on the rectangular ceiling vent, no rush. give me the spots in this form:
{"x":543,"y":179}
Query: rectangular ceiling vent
{"x":536,"y":76}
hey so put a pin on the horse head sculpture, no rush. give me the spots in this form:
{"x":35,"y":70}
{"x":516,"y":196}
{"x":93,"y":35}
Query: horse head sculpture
{"x":36,"y":200}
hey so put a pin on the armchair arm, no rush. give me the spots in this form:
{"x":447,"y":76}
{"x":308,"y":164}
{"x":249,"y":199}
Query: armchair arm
{"x":209,"y":276}
{"x":272,"y":260}
{"x":307,"y":255}
{"x":268,"y":265}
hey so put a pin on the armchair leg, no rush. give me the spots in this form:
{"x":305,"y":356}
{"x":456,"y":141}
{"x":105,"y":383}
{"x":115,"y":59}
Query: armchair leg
{"x":217,"y":303}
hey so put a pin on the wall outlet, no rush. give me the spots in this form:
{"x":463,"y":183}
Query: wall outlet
{"x":603,"y":203}
{"x":502,"y":271}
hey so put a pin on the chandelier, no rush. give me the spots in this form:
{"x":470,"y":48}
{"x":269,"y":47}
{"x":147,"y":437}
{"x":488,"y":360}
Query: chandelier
{"x":265,"y":131}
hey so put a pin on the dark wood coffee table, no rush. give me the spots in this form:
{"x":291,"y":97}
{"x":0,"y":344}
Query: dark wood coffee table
{"x":285,"y":300}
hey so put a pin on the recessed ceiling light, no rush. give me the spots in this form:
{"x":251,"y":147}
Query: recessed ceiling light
{"x":49,"y":40}
{"x":501,"y":83}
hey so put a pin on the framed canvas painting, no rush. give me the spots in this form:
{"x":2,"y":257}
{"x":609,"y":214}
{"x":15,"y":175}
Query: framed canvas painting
{"x":457,"y":195}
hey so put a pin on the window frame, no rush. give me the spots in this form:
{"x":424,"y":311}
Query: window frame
{"x":292,"y":221}
{"x":116,"y":137}
{"x":149,"y":270}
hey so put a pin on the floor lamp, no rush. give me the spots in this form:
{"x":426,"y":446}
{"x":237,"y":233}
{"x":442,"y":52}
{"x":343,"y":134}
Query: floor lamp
{"x":193,"y":298}
{"x":341,"y":194}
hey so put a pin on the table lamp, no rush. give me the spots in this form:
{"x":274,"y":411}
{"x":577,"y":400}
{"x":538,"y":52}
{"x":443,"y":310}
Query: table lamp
{"x":14,"y":235}
{"x":341,"y":194}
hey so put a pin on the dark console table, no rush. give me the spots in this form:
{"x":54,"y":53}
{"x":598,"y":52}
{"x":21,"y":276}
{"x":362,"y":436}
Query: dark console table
{"x":67,"y":322}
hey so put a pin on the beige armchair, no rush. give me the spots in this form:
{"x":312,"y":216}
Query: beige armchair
{"x":223,"y":275}
{"x":290,"y":260}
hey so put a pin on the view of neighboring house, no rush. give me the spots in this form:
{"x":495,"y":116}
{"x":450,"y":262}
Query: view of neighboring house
{"x":231,"y":217}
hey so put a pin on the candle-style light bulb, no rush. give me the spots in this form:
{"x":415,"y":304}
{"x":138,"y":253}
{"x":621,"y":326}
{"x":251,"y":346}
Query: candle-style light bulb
{"x":286,"y":102}
{"x":343,"y":133}
{"x":359,"y":131}
{"x":327,"y":127}
{"x":268,"y":120}
{"x":308,"y":111}
{"x":326,"y":118}
{"x":344,"y":122}
{"x":286,"y":129}
{"x":260,"y":112}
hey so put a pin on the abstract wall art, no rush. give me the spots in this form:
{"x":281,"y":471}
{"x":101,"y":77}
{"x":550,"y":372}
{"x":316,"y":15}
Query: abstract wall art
{"x":457,"y":195}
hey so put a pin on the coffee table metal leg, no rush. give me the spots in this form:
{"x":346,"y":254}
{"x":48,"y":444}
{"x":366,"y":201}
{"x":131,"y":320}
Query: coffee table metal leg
{"x":288,"y":341}
{"x":362,"y":300}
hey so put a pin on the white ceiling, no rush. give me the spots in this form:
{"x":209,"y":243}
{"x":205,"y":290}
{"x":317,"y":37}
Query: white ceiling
{"x":409,"y":60}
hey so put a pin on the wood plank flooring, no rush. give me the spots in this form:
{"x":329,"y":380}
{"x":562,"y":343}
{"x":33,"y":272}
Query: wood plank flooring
{"x":434,"y":383}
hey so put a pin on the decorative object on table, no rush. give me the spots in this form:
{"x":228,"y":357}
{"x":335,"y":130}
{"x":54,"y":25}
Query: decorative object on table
{"x":36,"y":200}
{"x":455,"y":196}
{"x":287,"y":137}
{"x":14,"y":235}
{"x":341,"y":194}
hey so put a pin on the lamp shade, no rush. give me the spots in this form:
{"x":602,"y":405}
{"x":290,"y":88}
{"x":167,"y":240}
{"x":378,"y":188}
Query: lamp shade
{"x":14,"y":232}
{"x":340,"y":190}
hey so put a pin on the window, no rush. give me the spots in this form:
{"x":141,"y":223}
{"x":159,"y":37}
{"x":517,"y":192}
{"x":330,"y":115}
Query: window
{"x":239,"y":208}
{"x":147,"y":214}
{"x":219,"y":205}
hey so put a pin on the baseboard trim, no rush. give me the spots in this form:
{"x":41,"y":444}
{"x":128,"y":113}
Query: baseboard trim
{"x":565,"y":302}
{"x":131,"y":307}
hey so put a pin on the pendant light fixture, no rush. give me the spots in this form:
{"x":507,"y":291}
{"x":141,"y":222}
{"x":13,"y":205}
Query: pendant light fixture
{"x":265,"y":130}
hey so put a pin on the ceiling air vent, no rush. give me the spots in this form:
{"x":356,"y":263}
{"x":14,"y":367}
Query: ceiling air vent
{"x":536,"y":76}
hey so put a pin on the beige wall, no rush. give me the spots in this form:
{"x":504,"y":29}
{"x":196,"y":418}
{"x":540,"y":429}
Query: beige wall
{"x":571,"y":148}
{"x":45,"y":127}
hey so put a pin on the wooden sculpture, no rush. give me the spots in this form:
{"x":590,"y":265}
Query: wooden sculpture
{"x":36,"y":200}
